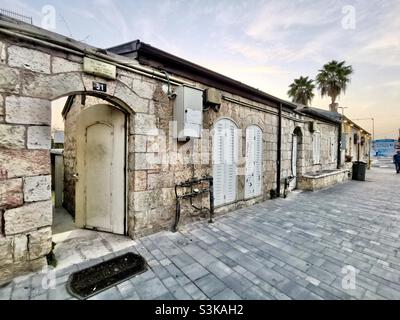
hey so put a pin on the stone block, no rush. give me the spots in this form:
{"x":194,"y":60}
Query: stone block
{"x":25,"y":110}
{"x":37,"y":188}
{"x":51,"y":86}
{"x":12,"y":137}
{"x":40,"y":243}
{"x":61,"y":65}
{"x":32,"y":60}
{"x":28,"y":217}
{"x":126,"y":95}
{"x":20,"y":247}
{"x":140,"y":181}
{"x":145,"y":124}
{"x":89,"y":79}
{"x":143,"y":89}
{"x":140,"y":143}
{"x":6,"y":252}
{"x":145,"y":200}
{"x":160,"y":180}
{"x":20,"y":163}
{"x":145,"y":161}
{"x":9,"y":79}
{"x":11,"y":195}
{"x":39,"y":137}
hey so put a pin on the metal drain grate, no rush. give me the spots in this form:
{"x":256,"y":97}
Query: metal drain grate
{"x":89,"y":282}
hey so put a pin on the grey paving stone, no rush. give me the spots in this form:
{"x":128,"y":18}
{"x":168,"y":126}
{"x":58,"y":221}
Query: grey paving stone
{"x":151,"y":289}
{"x":210,"y":285}
{"x":59,"y":293}
{"x":5,"y":292}
{"x":180,"y":293}
{"x":195,"y":292}
{"x":109,"y":294}
{"x":226,"y":294}
{"x":194,"y":271}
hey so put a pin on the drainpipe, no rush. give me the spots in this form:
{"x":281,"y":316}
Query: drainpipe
{"x":279,"y":153}
{"x":339,"y":153}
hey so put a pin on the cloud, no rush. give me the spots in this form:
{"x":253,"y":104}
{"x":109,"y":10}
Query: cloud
{"x":111,"y":15}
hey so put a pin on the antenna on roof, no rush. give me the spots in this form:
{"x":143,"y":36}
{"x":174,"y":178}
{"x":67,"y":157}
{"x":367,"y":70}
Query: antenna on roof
{"x":17,"y":16}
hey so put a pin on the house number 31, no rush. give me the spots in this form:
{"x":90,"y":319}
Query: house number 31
{"x":98,"y":86}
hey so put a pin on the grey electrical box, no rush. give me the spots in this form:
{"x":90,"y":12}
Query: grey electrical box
{"x":188,"y":112}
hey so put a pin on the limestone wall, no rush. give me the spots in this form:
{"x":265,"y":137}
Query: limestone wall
{"x":31,"y":76}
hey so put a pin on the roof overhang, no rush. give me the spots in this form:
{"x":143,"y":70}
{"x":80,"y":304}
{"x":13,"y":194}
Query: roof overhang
{"x":159,"y":59}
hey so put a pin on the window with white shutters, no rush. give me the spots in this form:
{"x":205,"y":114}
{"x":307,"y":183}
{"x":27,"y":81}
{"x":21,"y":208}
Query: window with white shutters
{"x":225,"y":156}
{"x":317,"y":148}
{"x":253,"y":179}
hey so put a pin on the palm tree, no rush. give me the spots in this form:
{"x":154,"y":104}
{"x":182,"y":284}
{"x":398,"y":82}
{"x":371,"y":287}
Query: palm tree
{"x":301,"y":90}
{"x":333,"y":79}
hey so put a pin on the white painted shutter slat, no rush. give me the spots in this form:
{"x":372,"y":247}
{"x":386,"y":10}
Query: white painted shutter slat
{"x":230,"y":164}
{"x":258,"y":162}
{"x":218,"y":166}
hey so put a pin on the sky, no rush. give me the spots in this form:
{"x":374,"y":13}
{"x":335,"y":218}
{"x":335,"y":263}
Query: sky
{"x":265,"y":44}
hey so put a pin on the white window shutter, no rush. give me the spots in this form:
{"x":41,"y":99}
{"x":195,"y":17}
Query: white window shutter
{"x":225,"y":156}
{"x":231,"y":150}
{"x":218,"y":163}
{"x":316,"y":147}
{"x":258,"y":162}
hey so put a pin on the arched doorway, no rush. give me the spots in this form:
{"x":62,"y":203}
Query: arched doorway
{"x":296,"y":163}
{"x":253,"y":179}
{"x":100,"y":169}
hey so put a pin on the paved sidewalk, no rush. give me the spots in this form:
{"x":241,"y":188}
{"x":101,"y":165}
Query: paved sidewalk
{"x":303,"y":247}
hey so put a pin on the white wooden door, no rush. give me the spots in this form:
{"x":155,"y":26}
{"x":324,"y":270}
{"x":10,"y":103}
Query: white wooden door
{"x":293,"y":183}
{"x":225,"y":155}
{"x":253,"y":179}
{"x":100,"y":188}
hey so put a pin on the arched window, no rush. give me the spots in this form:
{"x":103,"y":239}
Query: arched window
{"x":225,"y":158}
{"x":253,"y":182}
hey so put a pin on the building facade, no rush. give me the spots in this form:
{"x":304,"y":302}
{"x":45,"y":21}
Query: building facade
{"x":122,"y":154}
{"x":356,"y":143}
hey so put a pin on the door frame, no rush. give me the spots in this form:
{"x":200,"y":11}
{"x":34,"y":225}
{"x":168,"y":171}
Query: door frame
{"x":80,"y":218}
{"x":299,"y":157}
{"x":261,"y":164}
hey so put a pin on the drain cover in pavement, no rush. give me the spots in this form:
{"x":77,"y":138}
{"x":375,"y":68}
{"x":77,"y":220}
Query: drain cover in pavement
{"x":88,"y":282}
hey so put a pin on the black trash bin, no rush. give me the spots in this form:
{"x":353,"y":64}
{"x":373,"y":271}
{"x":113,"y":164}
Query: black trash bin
{"x":359,"y":169}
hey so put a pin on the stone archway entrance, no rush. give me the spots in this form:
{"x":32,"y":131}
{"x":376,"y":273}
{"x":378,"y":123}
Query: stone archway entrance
{"x":27,"y":87}
{"x":100,"y":169}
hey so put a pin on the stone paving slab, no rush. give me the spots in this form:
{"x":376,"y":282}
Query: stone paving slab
{"x":304,"y":247}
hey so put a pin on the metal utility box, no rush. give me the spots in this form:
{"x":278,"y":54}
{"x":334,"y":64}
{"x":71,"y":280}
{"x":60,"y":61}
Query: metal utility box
{"x":212,"y":96}
{"x":188,"y":113}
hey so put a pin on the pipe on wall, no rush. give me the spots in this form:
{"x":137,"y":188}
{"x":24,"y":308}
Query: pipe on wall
{"x":339,"y":152}
{"x":279,"y":152}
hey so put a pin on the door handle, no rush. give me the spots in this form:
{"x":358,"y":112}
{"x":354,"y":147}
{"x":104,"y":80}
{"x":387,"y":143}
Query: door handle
{"x":76,"y":176}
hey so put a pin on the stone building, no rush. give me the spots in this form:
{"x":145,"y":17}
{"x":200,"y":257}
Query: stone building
{"x":356,"y":142}
{"x":122,"y":155}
